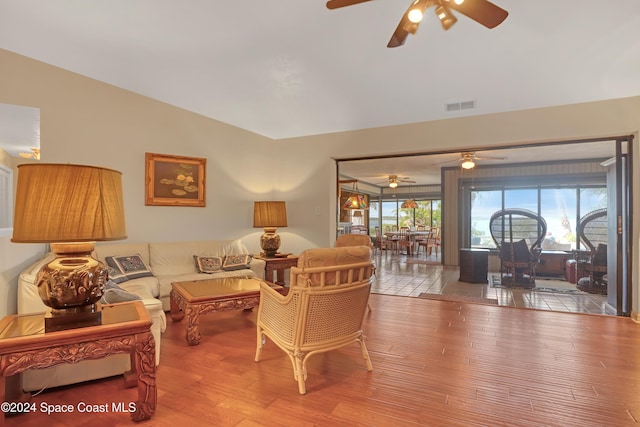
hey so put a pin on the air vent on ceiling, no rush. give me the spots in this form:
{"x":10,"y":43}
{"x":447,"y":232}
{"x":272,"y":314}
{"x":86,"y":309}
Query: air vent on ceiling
{"x":464,"y":105}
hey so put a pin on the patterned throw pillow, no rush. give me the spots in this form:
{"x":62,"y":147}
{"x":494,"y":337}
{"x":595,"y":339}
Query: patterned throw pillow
{"x":132,"y":266}
{"x":236,"y":262}
{"x":116,"y":275}
{"x":208,"y":264}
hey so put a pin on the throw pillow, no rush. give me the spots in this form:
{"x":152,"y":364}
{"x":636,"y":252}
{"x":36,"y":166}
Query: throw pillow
{"x":521,"y":251}
{"x":236,"y":262}
{"x":114,"y":294}
{"x":116,"y":275}
{"x":208,"y":264}
{"x":600,"y":257}
{"x":132,"y":266}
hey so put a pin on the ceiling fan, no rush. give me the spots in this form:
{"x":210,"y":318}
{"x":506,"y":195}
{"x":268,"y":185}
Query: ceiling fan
{"x":481,"y":11}
{"x":469,"y":158}
{"x":394,"y":180}
{"x":34,"y":154}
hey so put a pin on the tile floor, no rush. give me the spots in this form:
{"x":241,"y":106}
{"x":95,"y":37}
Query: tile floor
{"x":396,"y":276}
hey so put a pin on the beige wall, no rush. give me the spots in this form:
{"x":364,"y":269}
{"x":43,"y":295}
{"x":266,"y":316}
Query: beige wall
{"x":89,"y":122}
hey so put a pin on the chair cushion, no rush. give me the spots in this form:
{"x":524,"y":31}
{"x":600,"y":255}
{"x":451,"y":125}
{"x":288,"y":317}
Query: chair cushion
{"x":324,"y":257}
{"x":520,"y":251}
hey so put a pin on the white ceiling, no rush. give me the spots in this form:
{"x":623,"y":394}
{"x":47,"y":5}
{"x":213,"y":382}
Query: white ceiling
{"x":288,"y":68}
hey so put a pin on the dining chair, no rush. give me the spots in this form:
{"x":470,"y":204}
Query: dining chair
{"x":381,"y":241}
{"x":404,"y":240}
{"x":430,"y":242}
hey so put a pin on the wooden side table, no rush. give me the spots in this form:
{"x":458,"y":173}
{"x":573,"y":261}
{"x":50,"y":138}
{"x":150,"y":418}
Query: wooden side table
{"x":125,"y":328}
{"x":277,"y":265}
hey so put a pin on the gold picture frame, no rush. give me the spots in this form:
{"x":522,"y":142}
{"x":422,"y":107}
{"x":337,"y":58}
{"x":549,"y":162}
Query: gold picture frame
{"x":174,"y":180}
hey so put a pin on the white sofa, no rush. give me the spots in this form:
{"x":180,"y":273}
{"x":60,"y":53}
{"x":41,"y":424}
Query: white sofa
{"x":168,"y":262}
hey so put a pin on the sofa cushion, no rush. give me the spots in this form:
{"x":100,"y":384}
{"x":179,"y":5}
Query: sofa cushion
{"x":172,"y":258}
{"x":132,"y":266}
{"x":236,"y":262}
{"x":145,"y":287}
{"x":208,"y":264}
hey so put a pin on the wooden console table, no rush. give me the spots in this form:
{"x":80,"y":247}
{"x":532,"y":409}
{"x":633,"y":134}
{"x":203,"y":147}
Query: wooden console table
{"x":124,"y":328}
{"x":278,"y":265}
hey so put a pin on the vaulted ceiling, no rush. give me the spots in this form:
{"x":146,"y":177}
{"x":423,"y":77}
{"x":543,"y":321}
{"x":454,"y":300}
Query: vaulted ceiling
{"x":289,"y":68}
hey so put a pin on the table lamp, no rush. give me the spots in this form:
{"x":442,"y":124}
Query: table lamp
{"x":269,"y":216}
{"x":70,"y":207}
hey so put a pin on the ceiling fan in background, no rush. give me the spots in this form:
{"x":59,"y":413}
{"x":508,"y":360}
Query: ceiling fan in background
{"x":34,"y":154}
{"x":481,"y":11}
{"x":468,"y":159}
{"x":394,"y":180}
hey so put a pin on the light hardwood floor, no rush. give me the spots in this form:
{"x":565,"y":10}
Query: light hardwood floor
{"x":436,"y":363}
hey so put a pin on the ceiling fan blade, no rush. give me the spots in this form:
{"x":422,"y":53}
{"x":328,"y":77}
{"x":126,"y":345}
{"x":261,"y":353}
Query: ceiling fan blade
{"x":481,"y":11}
{"x":336,"y":4}
{"x":489,"y":158}
{"x":447,"y":161}
{"x":406,"y":26}
{"x":400,"y":34}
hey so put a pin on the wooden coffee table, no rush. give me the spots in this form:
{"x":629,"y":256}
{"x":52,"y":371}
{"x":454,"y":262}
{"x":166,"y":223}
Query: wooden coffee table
{"x":193,"y":298}
{"x":124,"y":328}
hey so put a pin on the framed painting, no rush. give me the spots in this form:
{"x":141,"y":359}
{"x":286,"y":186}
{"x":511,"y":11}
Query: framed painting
{"x":174,"y":180}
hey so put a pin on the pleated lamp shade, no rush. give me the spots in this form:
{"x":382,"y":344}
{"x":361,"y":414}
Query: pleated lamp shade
{"x":68,"y":203}
{"x":269,"y":214}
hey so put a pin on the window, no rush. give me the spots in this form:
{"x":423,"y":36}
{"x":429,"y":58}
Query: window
{"x":427,"y":213}
{"x":560,"y":206}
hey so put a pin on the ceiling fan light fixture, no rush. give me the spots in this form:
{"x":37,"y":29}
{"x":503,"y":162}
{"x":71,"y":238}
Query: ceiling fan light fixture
{"x":393,"y":184}
{"x":415,"y":15}
{"x":446,"y":17}
{"x":468,"y":164}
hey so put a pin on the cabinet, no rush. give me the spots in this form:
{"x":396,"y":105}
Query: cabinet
{"x":553,"y":263}
{"x":474,"y":264}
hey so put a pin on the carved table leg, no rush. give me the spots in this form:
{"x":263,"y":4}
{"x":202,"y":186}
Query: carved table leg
{"x":193,"y":335}
{"x":176,"y":313}
{"x":143,"y":363}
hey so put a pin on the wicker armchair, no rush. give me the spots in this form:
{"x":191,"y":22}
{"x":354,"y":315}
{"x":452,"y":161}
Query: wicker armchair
{"x":324,"y":309}
{"x":593,"y":231}
{"x":518,"y":234}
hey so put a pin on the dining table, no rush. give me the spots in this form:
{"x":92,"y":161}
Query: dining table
{"x":411,"y":234}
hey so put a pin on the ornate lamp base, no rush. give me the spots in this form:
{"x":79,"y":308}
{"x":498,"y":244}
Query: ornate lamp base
{"x":270,"y":242}
{"x":72,"y":283}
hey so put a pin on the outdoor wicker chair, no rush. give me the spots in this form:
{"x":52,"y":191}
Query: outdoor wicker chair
{"x":323,"y":310}
{"x":518,"y":234}
{"x":593,"y":231}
